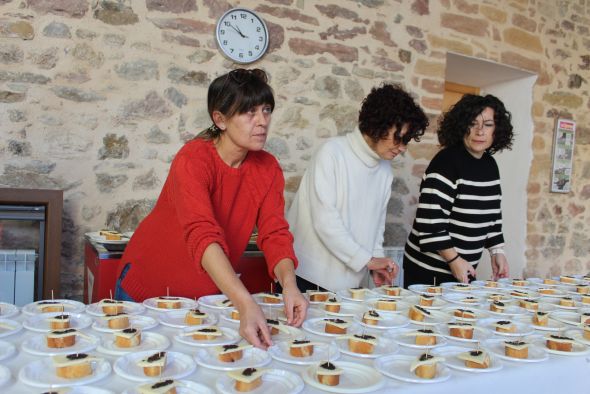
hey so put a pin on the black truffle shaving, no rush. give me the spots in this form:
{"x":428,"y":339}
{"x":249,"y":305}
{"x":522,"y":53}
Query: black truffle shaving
{"x":364,"y":336}
{"x":116,"y":314}
{"x":561,"y":337}
{"x":465,"y":310}
{"x":197,"y":312}
{"x":498,"y":303}
{"x":272,"y":321}
{"x":111,"y":302}
{"x":373,"y":313}
{"x":66,"y":331}
{"x":76,"y":356}
{"x":163,"y":383}
{"x":425,"y":331}
{"x":328,"y":365}
{"x":300,"y":341}
{"x":61,"y":317}
{"x":337,"y":321}
{"x":168,"y":298}
{"x":427,"y":296}
{"x":532,"y":301}
{"x":541,"y":313}
{"x":130,"y":330}
{"x":356,"y":288}
{"x":248,"y":371}
{"x":207,"y":330}
{"x":476,"y":353}
{"x":515,"y":343}
{"x":229,"y":347}
{"x":503,"y":322}
{"x":425,"y":357}
{"x":458,"y":323}
{"x":333,"y":300}
{"x":156,"y":357}
{"x":422,"y":309}
{"x":47,"y":302}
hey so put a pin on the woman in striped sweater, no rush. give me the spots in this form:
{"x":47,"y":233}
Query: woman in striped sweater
{"x":459,"y":213}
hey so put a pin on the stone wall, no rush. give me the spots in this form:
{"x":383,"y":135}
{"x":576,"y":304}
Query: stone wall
{"x":96,"y":96}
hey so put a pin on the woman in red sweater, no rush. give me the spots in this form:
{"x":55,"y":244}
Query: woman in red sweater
{"x":220,"y":186}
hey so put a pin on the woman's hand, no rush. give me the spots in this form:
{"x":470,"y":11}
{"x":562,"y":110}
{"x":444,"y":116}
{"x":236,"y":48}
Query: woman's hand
{"x":295,"y":305}
{"x":253,"y":327}
{"x":383,"y":270}
{"x":461,"y":270}
{"x":499,"y":266}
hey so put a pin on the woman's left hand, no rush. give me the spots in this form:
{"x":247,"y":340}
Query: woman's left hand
{"x":499,"y":266}
{"x":295,"y":305}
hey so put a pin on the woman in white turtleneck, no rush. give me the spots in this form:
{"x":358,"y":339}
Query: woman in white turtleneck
{"x":338,"y":215}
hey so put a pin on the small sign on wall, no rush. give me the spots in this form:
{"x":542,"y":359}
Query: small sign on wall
{"x":563,"y":155}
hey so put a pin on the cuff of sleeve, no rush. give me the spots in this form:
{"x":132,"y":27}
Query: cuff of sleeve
{"x":360,"y":259}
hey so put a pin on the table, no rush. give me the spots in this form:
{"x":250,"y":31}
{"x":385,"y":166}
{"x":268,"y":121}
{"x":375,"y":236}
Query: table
{"x":565,"y":374}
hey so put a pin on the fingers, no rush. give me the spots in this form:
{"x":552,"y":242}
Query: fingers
{"x":289,"y":313}
{"x":264,"y":335}
{"x":250,"y":334}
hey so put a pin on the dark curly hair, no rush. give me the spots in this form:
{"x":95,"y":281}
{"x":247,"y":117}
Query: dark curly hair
{"x":455,"y":123}
{"x":388,"y":106}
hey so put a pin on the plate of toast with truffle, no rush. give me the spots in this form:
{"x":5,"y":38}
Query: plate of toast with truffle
{"x":165,"y":386}
{"x":57,"y":321}
{"x":391,"y":291}
{"x":421,"y":338}
{"x":73,"y":369}
{"x":381,"y":320}
{"x":186,"y":318}
{"x":343,"y":377}
{"x":562,"y":344}
{"x":427,"y":301}
{"x":56,"y":342}
{"x":7,"y":310}
{"x":122,"y":321}
{"x":49,"y":306}
{"x":259,"y":380}
{"x":167,"y":303}
{"x":149,"y":365}
{"x":109,"y":306}
{"x":366,"y":345}
{"x":468,"y":359}
{"x":356,"y":294}
{"x":467,"y":314}
{"x":331,"y":326}
{"x":506,"y":327}
{"x":132,"y":340}
{"x":421,"y":368}
{"x":464,"y":332}
{"x":303,"y":351}
{"x":231,"y":357}
{"x":215,"y":301}
{"x":519,"y":350}
{"x":422,"y":316}
{"x":207,"y":335}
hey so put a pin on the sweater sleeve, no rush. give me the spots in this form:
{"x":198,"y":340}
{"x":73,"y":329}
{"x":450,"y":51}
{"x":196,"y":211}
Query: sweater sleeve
{"x":274,"y":237}
{"x":190,"y":194}
{"x":378,"y":248}
{"x":437,"y":196}
{"x":327,"y":220}
{"x":495,"y":236}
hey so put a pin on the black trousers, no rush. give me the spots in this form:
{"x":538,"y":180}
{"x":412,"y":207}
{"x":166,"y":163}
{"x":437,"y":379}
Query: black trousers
{"x":302,"y":284}
{"x":416,"y":275}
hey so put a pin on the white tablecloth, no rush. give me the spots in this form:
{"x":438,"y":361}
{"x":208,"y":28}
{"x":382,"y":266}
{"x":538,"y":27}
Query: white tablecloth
{"x":563,"y":374}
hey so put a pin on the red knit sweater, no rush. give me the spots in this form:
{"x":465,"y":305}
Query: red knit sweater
{"x":205,"y":201}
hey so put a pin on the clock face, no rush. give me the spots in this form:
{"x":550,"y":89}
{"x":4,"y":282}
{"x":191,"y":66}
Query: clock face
{"x":242,"y":35}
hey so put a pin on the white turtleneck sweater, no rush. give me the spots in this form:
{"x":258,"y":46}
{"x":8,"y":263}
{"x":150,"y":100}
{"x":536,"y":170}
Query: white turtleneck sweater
{"x":338,"y":215}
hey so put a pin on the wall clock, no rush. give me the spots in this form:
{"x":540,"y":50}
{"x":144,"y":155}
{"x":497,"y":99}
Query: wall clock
{"x":242,"y":35}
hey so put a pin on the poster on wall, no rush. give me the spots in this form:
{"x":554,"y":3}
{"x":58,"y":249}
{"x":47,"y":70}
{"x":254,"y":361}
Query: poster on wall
{"x":563,"y":154}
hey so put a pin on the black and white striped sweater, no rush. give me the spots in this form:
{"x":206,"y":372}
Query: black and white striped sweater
{"x":459,"y":206}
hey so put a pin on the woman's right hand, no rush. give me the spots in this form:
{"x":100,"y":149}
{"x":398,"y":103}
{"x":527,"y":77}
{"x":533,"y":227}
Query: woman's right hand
{"x":461,"y":270}
{"x":253,"y":327}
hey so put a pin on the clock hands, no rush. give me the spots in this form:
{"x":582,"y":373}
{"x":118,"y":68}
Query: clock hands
{"x":238,"y":31}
